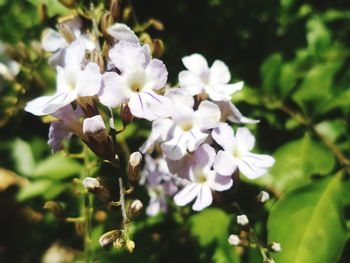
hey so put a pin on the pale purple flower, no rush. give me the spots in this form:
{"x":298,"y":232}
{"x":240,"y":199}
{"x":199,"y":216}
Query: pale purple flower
{"x":236,"y":153}
{"x":229,"y":112}
{"x":189,"y":129}
{"x":63,"y":128}
{"x":121,"y":32}
{"x":159,"y":184}
{"x":73,"y":81}
{"x":203,"y":181}
{"x":140,"y":77}
{"x":213,"y":81}
{"x":52,"y":41}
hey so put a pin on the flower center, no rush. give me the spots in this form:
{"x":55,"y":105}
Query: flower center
{"x":237,"y":153}
{"x":200,"y":177}
{"x":136,"y":87}
{"x":186,"y":126}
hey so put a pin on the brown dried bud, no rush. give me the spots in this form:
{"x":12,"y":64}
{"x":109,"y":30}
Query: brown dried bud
{"x":134,"y":167}
{"x":114,"y":8}
{"x":54,"y":207}
{"x":69,"y":3}
{"x":66,"y":32}
{"x":126,"y":14}
{"x":96,"y":187}
{"x":125,"y":114}
{"x":135,"y":208}
{"x":98,"y":59}
{"x":109,"y":237}
{"x":157,"y":24}
{"x":42,"y":12}
{"x":106,"y":22}
{"x":157,"y":48}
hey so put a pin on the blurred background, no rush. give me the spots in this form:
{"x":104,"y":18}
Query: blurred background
{"x":294,"y":57}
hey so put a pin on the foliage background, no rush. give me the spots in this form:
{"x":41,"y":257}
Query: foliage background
{"x":294,"y":57}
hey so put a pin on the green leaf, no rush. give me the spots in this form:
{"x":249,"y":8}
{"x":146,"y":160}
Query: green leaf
{"x":54,"y":6}
{"x":270,"y":73}
{"x":34,"y":189}
{"x":23,"y":157}
{"x":308,"y":223}
{"x":215,"y":232}
{"x":318,"y":36}
{"x":296,"y":161}
{"x":57,"y":167}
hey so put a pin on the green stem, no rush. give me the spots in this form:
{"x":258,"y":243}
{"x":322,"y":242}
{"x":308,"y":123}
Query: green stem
{"x":123,"y":207}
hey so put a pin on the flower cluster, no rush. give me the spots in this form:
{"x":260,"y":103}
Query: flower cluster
{"x":197,"y":151}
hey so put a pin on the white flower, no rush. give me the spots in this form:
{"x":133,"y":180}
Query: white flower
{"x":140,"y":77}
{"x":73,"y":81}
{"x":53,"y":41}
{"x":236,"y":153}
{"x":213,"y":81}
{"x":203,"y":181}
{"x":242,"y":220}
{"x":121,"y":32}
{"x":276,"y":247}
{"x":234,"y":240}
{"x":263,"y":196}
{"x":188,"y":130}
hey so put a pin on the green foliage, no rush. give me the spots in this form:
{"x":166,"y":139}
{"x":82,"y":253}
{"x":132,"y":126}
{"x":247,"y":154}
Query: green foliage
{"x":314,"y":231}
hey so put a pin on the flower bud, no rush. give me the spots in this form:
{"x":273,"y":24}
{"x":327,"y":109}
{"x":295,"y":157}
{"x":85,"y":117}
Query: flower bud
{"x":109,"y":237}
{"x":42,"y":12}
{"x":119,"y":243}
{"x":157,"y":24}
{"x":134,"y":167}
{"x":114,"y":8}
{"x":242,"y":220}
{"x":275,"y":247}
{"x":157,"y":48}
{"x":98,"y":59}
{"x":125,"y":114}
{"x":95,"y":127}
{"x":263,"y":197}
{"x":126,"y":14}
{"x":130,"y":245}
{"x":106,"y":22}
{"x":68,"y":3}
{"x":66,"y":32}
{"x":234,"y":240}
{"x":54,"y":207}
{"x":95,"y":186}
{"x":135,"y":208}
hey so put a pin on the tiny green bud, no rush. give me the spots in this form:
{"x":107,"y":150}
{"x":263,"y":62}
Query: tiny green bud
{"x":119,"y":243}
{"x":130,"y":245}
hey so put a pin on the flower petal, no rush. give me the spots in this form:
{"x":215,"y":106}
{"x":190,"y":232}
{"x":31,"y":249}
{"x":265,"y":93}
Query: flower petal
{"x":187,"y":194}
{"x":52,"y":41}
{"x":156,"y":75}
{"x":223,"y":92}
{"x":89,"y":80}
{"x":225,"y":163}
{"x":195,"y":138}
{"x":204,"y":198}
{"x":58,"y":132}
{"x":224,"y":136}
{"x":191,"y":82}
{"x":204,"y":156}
{"x":196,"y":63}
{"x":75,"y":54}
{"x":230,"y":112}
{"x":121,"y":32}
{"x":245,"y":139}
{"x":255,"y":165}
{"x":219,"y":73}
{"x":207,"y":116}
{"x":114,"y":90}
{"x":175,"y":149}
{"x":221,"y":183}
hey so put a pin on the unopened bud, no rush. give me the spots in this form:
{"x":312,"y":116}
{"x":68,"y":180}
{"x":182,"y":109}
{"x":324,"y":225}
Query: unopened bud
{"x":125,"y":114}
{"x":242,"y":220}
{"x":106,"y":22}
{"x":68,"y":3}
{"x":109,"y":237}
{"x":94,"y":126}
{"x":275,"y":247}
{"x":66,"y":32}
{"x":130,"y":245}
{"x":42,"y":12}
{"x":157,"y":25}
{"x":95,"y":186}
{"x":263,"y":197}
{"x":54,"y":207}
{"x":98,"y":59}
{"x":120,"y":31}
{"x":114,"y":8}
{"x":134,"y":167}
{"x":126,"y":14}
{"x":119,"y":243}
{"x":157,"y":48}
{"x":135,"y":208}
{"x":234,"y":240}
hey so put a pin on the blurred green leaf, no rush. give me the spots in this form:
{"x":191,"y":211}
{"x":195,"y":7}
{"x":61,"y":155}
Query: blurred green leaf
{"x":215,"y":232}
{"x":57,"y":167}
{"x":313,"y":231}
{"x":297,"y":160}
{"x":270,"y":72}
{"x":34,"y":189}
{"x":54,"y":6}
{"x":23,"y":157}
{"x":318,"y":36}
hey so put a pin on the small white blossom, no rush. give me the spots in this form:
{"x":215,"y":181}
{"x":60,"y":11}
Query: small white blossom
{"x":234,"y":240}
{"x":213,"y":81}
{"x":91,"y":183}
{"x":242,"y":220}
{"x":203,"y":181}
{"x":73,"y":81}
{"x":263,"y":196}
{"x":140,"y":77}
{"x":275,"y":247}
{"x":236,"y":153}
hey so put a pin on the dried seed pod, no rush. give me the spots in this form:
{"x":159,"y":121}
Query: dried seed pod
{"x":134,"y":167}
{"x":114,"y":8}
{"x":109,"y":237}
{"x":135,"y":208}
{"x":157,"y":48}
{"x":126,"y":115}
